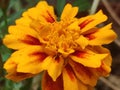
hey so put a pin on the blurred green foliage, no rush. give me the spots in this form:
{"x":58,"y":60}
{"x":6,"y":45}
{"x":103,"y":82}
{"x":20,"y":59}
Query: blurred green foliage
{"x":10,"y":10}
{"x":82,"y":4}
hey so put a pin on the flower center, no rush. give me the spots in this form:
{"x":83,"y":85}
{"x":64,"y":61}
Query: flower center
{"x":57,"y":38}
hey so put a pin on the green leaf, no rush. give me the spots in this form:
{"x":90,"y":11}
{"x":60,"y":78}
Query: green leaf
{"x":8,"y":85}
{"x":11,"y":19}
{"x":5,"y":52}
{"x":1,"y":13}
{"x":11,"y":3}
{"x":82,"y":4}
{"x":59,"y":6}
{"x":34,"y":2}
{"x":27,"y":84}
{"x":1,"y":66}
{"x":17,"y":86}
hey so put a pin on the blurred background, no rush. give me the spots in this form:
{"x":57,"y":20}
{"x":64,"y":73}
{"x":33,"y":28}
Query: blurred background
{"x":10,"y":10}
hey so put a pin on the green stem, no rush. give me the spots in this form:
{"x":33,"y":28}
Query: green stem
{"x":94,"y":6}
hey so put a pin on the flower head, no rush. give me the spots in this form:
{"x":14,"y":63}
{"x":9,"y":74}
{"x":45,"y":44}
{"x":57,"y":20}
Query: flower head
{"x":69,"y":51}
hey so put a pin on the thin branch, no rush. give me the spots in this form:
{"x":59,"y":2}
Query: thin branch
{"x":94,"y":6}
{"x":117,"y":41}
{"x":108,"y":83}
{"x":111,"y":11}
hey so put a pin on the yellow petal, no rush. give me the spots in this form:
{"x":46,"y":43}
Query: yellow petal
{"x":71,"y":82}
{"x":12,"y":74}
{"x":102,"y":50}
{"x":21,"y":37}
{"x":102,"y":36}
{"x":103,"y":70}
{"x":84,"y":74}
{"x":49,"y":84}
{"x":55,"y":67}
{"x":25,"y":21}
{"x":31,"y":13}
{"x":91,"y":21}
{"x":28,"y":60}
{"x":69,"y":12}
{"x":65,"y":53}
{"x":21,"y":30}
{"x":82,"y":41}
{"x":88,"y":58}
{"x":10,"y":66}
{"x":69,"y":79}
{"x":73,"y":27}
{"x":42,"y":12}
{"x":12,"y":41}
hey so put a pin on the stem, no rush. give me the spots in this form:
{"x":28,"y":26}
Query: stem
{"x":111,"y":11}
{"x":108,"y":83}
{"x":94,"y":6}
{"x":114,"y":16}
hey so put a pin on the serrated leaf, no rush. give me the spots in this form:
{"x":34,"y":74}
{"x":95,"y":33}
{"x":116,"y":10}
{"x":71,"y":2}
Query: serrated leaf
{"x":82,"y":4}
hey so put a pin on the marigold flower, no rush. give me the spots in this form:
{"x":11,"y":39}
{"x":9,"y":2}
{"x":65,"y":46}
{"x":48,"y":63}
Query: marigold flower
{"x":69,"y":51}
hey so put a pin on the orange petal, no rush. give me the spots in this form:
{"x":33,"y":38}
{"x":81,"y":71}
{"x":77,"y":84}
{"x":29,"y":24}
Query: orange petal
{"x":45,"y":14}
{"x":47,"y":11}
{"x":102,"y":36}
{"x":91,"y":21}
{"x":16,"y":76}
{"x":103,"y":70}
{"x":55,"y":67}
{"x":69,"y":79}
{"x":73,"y":27}
{"x":25,"y":21}
{"x":22,"y":30}
{"x":28,"y":60}
{"x":88,"y":58}
{"x":84,"y":74}
{"x":69,"y":12}
{"x":83,"y":86}
{"x":49,"y":84}
{"x":21,"y":37}
{"x":82,"y":41}
{"x":11,"y":67}
{"x":102,"y":50}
